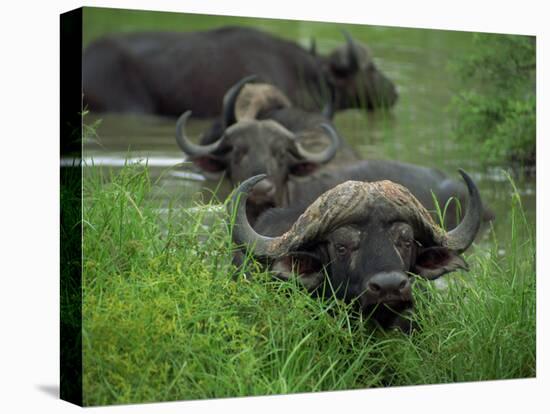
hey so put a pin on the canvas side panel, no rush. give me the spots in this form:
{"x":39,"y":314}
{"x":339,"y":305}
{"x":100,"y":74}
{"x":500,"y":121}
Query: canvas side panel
{"x":71,"y":206}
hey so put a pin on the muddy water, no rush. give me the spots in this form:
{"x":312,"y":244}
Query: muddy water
{"x":417,"y":130}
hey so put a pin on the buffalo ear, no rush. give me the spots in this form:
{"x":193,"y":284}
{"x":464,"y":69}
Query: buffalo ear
{"x":306,"y":266}
{"x":301,"y":169}
{"x":433,"y":262}
{"x":209,"y":164}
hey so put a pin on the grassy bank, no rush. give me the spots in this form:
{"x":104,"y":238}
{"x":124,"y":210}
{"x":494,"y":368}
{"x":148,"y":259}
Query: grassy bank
{"x":164,"y":320}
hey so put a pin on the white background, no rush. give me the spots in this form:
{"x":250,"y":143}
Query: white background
{"x":29,"y":215}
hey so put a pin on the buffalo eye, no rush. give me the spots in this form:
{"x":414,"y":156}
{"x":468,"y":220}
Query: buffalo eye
{"x":403,"y":237}
{"x":404,"y":245}
{"x":341,"y":250}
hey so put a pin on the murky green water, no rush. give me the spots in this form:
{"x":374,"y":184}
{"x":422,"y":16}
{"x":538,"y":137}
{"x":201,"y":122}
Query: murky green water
{"x":418,"y":129}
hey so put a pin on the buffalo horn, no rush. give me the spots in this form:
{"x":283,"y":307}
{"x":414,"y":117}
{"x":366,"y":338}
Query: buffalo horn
{"x":353,"y":59}
{"x":349,"y":202}
{"x":462,"y":236}
{"x":243,"y":233}
{"x":190,"y":148}
{"x":230,"y":98}
{"x":327,"y":154}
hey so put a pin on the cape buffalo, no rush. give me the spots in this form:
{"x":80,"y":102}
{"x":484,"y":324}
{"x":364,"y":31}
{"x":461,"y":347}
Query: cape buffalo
{"x":261,"y":132}
{"x":366,"y":238}
{"x":253,"y":99}
{"x":436,"y":191}
{"x":168,"y":73}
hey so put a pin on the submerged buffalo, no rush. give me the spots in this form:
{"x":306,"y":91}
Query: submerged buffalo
{"x":251,"y":98}
{"x":368,"y":239}
{"x":260,"y":132}
{"x":169,"y":73}
{"x":440,"y":194}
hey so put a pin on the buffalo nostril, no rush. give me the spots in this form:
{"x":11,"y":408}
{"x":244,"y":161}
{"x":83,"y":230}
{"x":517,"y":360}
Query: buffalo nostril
{"x":403,"y":285}
{"x":374,"y":287}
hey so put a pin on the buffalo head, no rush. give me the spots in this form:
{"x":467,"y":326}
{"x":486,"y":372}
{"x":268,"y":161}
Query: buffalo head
{"x":247,"y":141}
{"x":355,"y":79}
{"x":368,"y":239}
{"x":252,"y":147}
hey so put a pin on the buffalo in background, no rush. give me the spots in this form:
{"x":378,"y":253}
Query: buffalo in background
{"x":367,"y":238}
{"x":261,"y":132}
{"x":168,"y":73}
{"x":435,"y":190}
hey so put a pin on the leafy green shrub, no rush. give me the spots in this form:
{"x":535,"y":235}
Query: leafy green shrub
{"x":496,"y":110}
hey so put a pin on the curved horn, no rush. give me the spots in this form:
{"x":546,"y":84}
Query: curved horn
{"x":190,"y":148}
{"x":230,"y":98}
{"x":243,"y":233}
{"x":349,"y":202}
{"x":327,"y":154}
{"x":462,"y":236}
{"x":353,"y":59}
{"x":345,"y":203}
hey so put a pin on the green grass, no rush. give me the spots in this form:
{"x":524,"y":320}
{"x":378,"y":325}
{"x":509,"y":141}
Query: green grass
{"x":166,"y":316}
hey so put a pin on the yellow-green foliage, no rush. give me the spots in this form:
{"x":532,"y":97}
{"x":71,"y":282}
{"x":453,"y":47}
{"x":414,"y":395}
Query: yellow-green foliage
{"x":496,"y":110}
